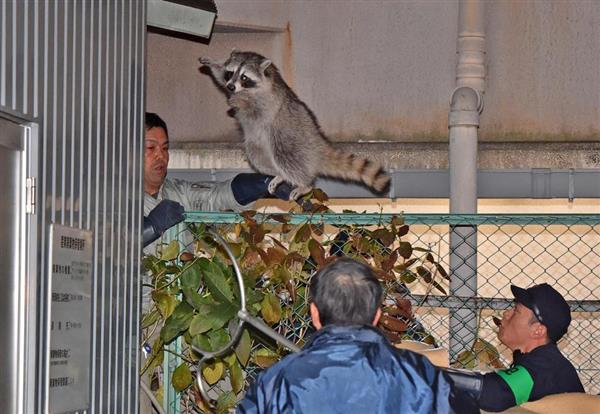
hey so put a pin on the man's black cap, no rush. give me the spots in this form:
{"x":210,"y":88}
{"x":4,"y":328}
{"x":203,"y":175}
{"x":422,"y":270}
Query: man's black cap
{"x":549,"y":307}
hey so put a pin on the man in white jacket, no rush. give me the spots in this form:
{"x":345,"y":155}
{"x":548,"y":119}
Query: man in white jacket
{"x":159,"y":215}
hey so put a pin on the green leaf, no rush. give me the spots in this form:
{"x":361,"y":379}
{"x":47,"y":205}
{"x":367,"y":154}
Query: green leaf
{"x":217,"y":284}
{"x":271,"y":308}
{"x":281,"y":274}
{"x":150,"y":264}
{"x":199,"y":324}
{"x":201,"y":342}
{"x":196,"y":300}
{"x":237,"y":376}
{"x":165,"y":302}
{"x":408,"y":276}
{"x":243,"y":348}
{"x":150,"y":319}
{"x":219,"y":314}
{"x":226,"y":402}
{"x":213,"y":372}
{"x":190,"y":275}
{"x":265,"y":357}
{"x":178,"y":322}
{"x":218,"y":339}
{"x":182,"y":377}
{"x":466,"y":359}
{"x":171,"y":251}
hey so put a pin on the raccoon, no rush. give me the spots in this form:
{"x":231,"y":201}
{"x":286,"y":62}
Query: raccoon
{"x":281,"y":134}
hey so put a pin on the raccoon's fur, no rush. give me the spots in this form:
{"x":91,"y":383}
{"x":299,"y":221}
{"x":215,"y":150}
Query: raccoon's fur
{"x":282,"y":136}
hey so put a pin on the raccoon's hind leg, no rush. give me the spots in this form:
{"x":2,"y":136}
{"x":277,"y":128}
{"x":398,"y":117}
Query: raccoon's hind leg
{"x":299,"y":192}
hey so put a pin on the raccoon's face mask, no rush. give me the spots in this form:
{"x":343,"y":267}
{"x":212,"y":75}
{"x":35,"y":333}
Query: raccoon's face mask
{"x":246,"y":74}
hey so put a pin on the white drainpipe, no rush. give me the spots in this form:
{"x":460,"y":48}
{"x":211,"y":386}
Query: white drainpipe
{"x":463,"y":123}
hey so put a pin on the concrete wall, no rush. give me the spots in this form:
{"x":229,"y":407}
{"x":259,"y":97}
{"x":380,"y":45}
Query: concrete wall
{"x":384,"y":70}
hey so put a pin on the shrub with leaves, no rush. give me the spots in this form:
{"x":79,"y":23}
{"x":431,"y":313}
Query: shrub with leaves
{"x":195,"y":295}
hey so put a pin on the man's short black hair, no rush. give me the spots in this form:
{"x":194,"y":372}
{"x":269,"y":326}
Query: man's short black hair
{"x":153,"y":120}
{"x":346,"y":292}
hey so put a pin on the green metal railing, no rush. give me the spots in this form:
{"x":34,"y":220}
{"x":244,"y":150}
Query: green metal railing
{"x":484,"y":255}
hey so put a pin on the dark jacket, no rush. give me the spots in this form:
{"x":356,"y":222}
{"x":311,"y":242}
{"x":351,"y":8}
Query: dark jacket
{"x":549,"y":372}
{"x":349,"y":370}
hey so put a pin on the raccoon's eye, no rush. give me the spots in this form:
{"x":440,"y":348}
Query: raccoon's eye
{"x":245,"y":78}
{"x":227,"y":75}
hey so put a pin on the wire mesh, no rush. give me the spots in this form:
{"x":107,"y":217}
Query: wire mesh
{"x":490,"y":254}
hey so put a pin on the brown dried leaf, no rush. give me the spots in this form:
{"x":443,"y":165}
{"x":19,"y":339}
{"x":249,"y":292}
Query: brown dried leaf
{"x":424,"y":273}
{"x":393,"y":324}
{"x":403,"y":231}
{"x":384,"y":236}
{"x":319,"y":195}
{"x":281,"y":218}
{"x":317,"y":228}
{"x":388,"y":264}
{"x":294,"y":257}
{"x":186,"y":257}
{"x":442,"y":271}
{"x":302,"y":234}
{"x":405,"y":249}
{"x":316,"y":251}
{"x":275,"y":256}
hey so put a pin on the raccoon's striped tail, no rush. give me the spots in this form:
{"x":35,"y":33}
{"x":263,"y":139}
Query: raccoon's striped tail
{"x":347,"y":166}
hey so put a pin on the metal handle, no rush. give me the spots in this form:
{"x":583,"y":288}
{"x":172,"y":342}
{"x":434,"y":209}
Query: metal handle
{"x":243,"y":317}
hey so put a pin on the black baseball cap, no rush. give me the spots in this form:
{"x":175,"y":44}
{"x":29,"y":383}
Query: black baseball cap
{"x":548,"y":306}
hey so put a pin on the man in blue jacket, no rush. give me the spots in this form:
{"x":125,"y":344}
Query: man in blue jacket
{"x":348,"y":366}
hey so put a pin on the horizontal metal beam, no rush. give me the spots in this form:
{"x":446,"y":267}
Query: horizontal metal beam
{"x":434,"y":183}
{"x":456,"y":302}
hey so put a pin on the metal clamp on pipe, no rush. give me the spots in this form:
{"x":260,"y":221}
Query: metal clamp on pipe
{"x":466,"y":105}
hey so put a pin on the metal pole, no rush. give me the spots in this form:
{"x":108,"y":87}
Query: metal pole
{"x":463,"y":123}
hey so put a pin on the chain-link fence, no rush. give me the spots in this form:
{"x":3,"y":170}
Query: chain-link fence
{"x":460,"y":283}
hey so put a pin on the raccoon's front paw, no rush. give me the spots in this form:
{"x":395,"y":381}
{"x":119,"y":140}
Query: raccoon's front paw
{"x":299,"y":192}
{"x":273,"y":184}
{"x":205,"y":61}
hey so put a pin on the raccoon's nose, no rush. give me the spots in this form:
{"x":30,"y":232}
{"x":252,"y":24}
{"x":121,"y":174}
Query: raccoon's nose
{"x":231,"y":87}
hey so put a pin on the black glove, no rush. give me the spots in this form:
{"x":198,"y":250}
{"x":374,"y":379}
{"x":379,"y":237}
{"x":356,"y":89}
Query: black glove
{"x":164,"y":216}
{"x":249,"y":187}
{"x":467,"y":385}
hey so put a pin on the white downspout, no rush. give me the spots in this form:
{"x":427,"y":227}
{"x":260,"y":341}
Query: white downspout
{"x":463,"y":123}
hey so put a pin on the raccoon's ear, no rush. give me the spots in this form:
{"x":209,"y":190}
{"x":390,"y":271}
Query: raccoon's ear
{"x":234,"y":51}
{"x":264,"y":65}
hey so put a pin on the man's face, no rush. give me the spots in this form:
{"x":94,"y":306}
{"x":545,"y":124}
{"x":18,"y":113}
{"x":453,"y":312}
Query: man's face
{"x":156,"y":159}
{"x":516,"y":327}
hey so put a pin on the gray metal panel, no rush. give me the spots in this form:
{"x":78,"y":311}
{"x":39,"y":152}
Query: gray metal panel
{"x":11,"y":212}
{"x":77,"y":69}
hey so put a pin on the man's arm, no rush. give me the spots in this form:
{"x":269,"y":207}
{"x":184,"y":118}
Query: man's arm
{"x":233,"y":194}
{"x":504,"y":389}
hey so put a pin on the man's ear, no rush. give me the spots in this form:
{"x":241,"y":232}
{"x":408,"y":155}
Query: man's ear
{"x":316,"y":318}
{"x":540,"y":331}
{"x":377,"y":317}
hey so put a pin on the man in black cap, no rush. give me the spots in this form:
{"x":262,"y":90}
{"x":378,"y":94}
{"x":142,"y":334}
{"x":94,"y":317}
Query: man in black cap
{"x":540,"y":317}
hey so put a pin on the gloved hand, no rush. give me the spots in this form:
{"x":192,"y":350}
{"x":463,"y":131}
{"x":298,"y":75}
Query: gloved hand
{"x":164,"y":216}
{"x":249,"y":187}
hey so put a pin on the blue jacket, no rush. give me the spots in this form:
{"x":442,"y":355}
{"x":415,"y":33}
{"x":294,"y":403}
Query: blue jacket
{"x":349,"y":370}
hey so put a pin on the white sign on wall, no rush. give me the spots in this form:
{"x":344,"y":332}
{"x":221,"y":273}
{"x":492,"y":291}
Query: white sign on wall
{"x":71,"y":257}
